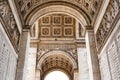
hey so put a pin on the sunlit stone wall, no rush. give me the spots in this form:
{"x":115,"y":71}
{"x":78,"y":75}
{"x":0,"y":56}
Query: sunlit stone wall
{"x":109,"y":57}
{"x":8,"y":57}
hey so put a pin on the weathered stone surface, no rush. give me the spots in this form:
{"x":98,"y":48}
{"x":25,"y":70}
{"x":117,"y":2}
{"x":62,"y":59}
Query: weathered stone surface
{"x":92,"y":57}
{"x":104,"y":67}
{"x":22,"y":61}
{"x":110,"y":56}
{"x":8,"y":57}
{"x":83,"y":64}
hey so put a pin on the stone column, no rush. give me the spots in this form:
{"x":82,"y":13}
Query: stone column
{"x":24,"y":46}
{"x":93,"y":63}
{"x":82,"y":63}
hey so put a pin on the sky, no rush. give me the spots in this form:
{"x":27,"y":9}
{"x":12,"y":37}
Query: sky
{"x":56,"y":75}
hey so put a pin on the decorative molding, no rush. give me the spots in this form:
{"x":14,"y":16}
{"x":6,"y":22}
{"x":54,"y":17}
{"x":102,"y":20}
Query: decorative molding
{"x":88,"y":6}
{"x":108,"y":22}
{"x":7,"y":18}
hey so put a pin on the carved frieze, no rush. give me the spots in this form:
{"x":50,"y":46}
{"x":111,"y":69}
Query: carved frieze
{"x":107,"y":22}
{"x":9,"y":21}
{"x":90,"y":6}
{"x":69,"y":48}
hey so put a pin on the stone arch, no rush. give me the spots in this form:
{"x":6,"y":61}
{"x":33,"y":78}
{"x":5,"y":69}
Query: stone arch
{"x":72,"y":64}
{"x":58,"y":52}
{"x":71,"y":10}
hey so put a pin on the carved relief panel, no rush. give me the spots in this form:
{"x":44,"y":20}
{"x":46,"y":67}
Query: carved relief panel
{"x":89,"y":6}
{"x":107,"y":22}
{"x":9,"y":21}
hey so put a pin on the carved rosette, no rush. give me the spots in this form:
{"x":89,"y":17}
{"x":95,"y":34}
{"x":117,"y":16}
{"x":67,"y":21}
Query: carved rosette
{"x":9,"y":21}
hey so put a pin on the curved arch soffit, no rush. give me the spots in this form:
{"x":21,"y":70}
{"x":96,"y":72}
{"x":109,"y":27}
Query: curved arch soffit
{"x":58,"y":9}
{"x":74,"y":63}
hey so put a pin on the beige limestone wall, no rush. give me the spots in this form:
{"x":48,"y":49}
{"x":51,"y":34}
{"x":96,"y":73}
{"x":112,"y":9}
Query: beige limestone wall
{"x":83,"y":64}
{"x":31,"y":64}
{"x":8,"y":57}
{"x":109,"y":58}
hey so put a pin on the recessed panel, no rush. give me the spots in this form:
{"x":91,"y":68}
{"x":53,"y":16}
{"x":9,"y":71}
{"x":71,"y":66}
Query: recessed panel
{"x":45,"y":31}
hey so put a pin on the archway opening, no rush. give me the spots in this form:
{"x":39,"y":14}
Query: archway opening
{"x":56,"y":75}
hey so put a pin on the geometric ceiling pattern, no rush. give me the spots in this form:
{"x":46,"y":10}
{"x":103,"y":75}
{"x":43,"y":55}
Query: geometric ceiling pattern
{"x":55,"y":26}
{"x":56,"y":62}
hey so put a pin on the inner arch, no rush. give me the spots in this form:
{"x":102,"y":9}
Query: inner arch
{"x":58,"y":9}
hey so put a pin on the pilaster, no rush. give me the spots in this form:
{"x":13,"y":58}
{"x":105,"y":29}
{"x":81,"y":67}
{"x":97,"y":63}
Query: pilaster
{"x":24,"y":46}
{"x":92,"y":57}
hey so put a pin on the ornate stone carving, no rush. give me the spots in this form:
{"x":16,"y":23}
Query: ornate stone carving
{"x":68,"y":31}
{"x":90,"y":6}
{"x":57,"y":25}
{"x":57,"y":20}
{"x":45,"y":20}
{"x":45,"y":31}
{"x":107,"y":21}
{"x":69,"y":48}
{"x":57,"y":31}
{"x":68,"y":20}
{"x":56,"y":61}
{"x":9,"y":20}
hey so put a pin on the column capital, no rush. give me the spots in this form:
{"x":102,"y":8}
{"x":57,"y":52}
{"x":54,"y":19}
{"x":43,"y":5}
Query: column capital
{"x":89,"y":27}
{"x":27,"y":26}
